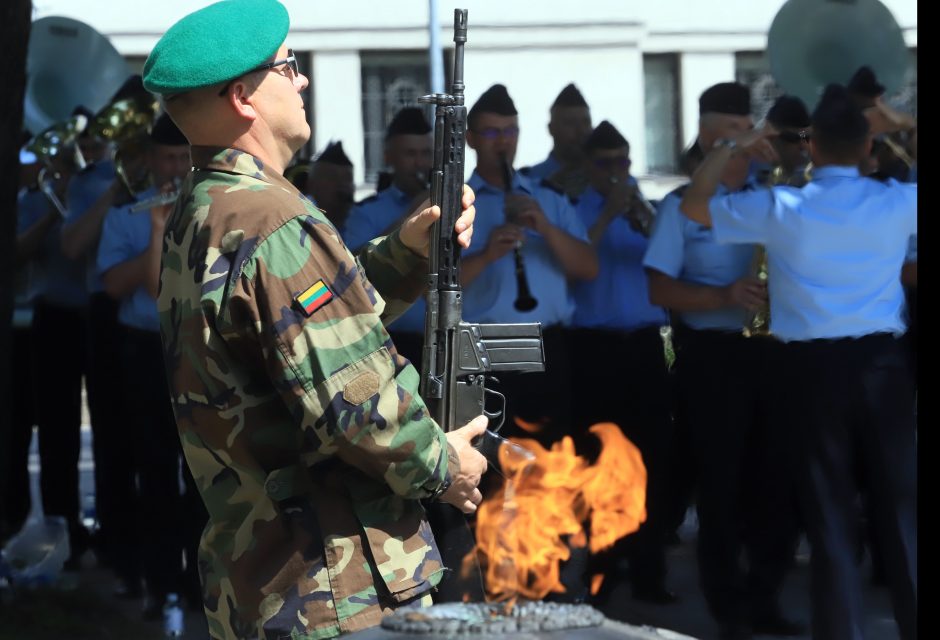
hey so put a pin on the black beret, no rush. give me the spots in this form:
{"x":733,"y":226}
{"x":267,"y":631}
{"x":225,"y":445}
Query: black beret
{"x":334,"y":154}
{"x":605,"y":136}
{"x":864,"y":84}
{"x":166,"y":132}
{"x":408,"y":121}
{"x":730,"y":98}
{"x":838,"y":116}
{"x":494,"y":100}
{"x":569,"y":97}
{"x":788,"y":111}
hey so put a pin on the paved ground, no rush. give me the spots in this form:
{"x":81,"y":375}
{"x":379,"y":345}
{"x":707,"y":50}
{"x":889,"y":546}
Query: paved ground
{"x":689,"y":616}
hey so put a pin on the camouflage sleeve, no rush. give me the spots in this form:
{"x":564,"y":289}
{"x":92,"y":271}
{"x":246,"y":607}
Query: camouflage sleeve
{"x":399,"y":274}
{"x":328,"y":355}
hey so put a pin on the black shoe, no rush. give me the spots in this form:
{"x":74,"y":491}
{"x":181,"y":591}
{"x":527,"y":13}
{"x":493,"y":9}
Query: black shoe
{"x":654,"y":594}
{"x":734,"y":631}
{"x":775,"y":624}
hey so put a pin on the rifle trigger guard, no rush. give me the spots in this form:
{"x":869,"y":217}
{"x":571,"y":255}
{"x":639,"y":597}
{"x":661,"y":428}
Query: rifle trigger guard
{"x":501,"y":414}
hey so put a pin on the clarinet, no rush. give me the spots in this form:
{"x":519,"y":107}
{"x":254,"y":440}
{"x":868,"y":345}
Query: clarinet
{"x":524,"y":300}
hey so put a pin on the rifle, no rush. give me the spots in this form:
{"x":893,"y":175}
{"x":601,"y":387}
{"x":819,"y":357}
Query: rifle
{"x":459,"y":357}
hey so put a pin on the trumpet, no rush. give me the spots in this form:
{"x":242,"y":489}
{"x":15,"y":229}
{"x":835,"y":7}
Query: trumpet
{"x":524,"y":299}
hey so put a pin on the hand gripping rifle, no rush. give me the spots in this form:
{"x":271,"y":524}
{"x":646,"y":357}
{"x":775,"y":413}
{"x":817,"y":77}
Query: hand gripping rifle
{"x":458,"y":357}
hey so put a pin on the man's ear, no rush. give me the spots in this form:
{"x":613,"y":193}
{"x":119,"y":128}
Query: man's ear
{"x":471,"y":140}
{"x":241,"y":97}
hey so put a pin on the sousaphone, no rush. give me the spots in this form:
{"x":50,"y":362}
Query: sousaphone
{"x":68,"y":64}
{"x":812,"y":43}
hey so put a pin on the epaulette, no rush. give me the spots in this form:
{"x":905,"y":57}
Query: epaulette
{"x":545,"y":182}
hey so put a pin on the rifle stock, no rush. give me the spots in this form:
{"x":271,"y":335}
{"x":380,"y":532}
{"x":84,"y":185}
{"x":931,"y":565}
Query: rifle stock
{"x":458,"y":357}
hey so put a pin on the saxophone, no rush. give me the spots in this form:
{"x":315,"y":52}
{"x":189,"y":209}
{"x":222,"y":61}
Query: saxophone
{"x":757,"y":322}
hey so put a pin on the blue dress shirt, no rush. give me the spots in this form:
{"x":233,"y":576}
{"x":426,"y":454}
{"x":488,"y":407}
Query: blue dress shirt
{"x":834,"y":251}
{"x":84,"y":189}
{"x":490,"y":297}
{"x":125,"y":236}
{"x":52,"y":277}
{"x":686,"y":250}
{"x":619,"y":297}
{"x":546,"y":168}
{"x":367,"y":220}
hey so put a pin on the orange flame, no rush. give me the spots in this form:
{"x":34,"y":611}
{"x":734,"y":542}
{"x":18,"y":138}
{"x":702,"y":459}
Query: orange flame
{"x":527,"y":528}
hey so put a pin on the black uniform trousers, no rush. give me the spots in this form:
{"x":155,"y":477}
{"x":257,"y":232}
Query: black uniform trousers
{"x":746,"y":493}
{"x":17,"y":500}
{"x":59,"y":347}
{"x":169,"y":521}
{"x":542,"y":399}
{"x":116,"y":542}
{"x":852,"y":404}
{"x":621,"y":377}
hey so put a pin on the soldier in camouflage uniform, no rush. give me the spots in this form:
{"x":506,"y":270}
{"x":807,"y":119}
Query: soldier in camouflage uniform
{"x":299,"y":419}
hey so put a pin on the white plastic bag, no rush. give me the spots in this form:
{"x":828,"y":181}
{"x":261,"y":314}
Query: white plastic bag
{"x":36,"y":554}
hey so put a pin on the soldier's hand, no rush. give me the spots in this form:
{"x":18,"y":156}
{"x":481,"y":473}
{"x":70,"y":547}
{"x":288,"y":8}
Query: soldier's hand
{"x":415,"y":231}
{"x":468,"y":468}
{"x":749,"y":293}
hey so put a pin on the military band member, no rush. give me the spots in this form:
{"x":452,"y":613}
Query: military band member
{"x":408,"y":148}
{"x":56,"y":290}
{"x":167,"y":523}
{"x":835,"y":249}
{"x":330,"y":184}
{"x":629,"y":386}
{"x":569,"y":126}
{"x":744,"y":500}
{"x":300,"y":421}
{"x":789,"y":117}
{"x":541,"y":222}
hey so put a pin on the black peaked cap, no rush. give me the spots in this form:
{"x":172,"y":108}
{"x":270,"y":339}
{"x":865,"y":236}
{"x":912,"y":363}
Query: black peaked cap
{"x":495,"y":100}
{"x":864,"y":83}
{"x":334,"y":154}
{"x":789,"y":111}
{"x":838,"y":115}
{"x":569,"y":97}
{"x":605,"y":136}
{"x":166,"y":132}
{"x":408,"y":121}
{"x":730,"y":98}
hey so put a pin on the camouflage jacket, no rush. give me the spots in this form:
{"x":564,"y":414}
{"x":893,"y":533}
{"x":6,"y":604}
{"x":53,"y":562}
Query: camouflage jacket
{"x":301,"y":423}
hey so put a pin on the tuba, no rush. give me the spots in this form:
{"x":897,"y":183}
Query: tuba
{"x":67,"y":64}
{"x":812,"y":43}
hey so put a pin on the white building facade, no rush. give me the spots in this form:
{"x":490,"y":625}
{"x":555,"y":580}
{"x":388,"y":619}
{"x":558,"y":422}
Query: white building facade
{"x":641,"y":65}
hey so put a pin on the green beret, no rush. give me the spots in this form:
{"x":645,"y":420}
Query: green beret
{"x":217,"y":43}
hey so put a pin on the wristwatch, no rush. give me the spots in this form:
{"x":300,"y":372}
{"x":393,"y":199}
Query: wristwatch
{"x":731,"y":143}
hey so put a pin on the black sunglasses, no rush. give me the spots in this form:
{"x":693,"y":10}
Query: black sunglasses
{"x":793,"y":137}
{"x":290,"y":61}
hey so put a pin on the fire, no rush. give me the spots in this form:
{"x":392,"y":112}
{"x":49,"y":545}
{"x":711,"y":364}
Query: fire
{"x":552,"y":503}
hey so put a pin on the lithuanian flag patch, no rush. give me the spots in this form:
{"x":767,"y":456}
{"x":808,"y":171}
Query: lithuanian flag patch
{"x":314,"y":297}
